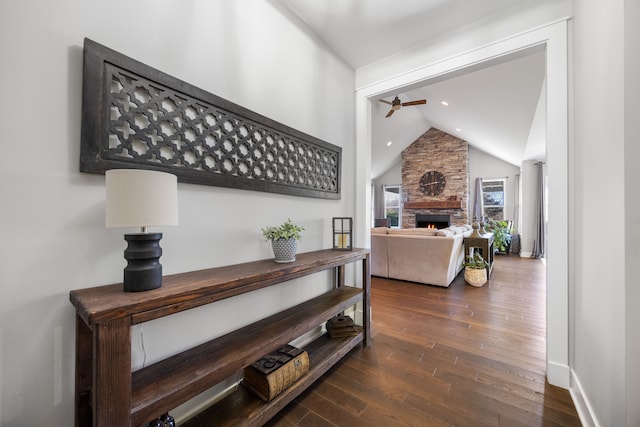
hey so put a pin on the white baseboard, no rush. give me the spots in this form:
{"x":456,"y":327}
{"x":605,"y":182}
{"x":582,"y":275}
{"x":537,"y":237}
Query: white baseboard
{"x":193,"y":407}
{"x":357,"y":314}
{"x":581,"y":402}
{"x":526,"y":254}
{"x":558,"y":374}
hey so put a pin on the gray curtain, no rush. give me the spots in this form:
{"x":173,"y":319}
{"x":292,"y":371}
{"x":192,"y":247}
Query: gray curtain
{"x":539,"y":231}
{"x":478,"y":204}
{"x":516,"y":204}
{"x":378,"y":198}
{"x":515,"y":237}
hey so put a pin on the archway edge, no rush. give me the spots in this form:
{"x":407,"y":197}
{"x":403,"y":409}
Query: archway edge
{"x":553,"y":37}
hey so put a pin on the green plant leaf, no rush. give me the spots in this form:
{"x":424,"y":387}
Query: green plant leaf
{"x":287,"y":230}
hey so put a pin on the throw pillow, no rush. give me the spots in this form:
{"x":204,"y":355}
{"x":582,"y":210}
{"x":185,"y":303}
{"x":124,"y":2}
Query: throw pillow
{"x":445,"y":233}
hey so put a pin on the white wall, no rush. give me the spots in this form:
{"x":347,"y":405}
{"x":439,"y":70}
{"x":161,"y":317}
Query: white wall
{"x":632,"y":207}
{"x":393,"y":176}
{"x":529,"y":189}
{"x":599,"y":323}
{"x":54,"y":239}
{"x":486,"y":166}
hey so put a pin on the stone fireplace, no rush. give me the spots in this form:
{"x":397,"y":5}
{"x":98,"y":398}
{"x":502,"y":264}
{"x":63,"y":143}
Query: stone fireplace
{"x":435,"y":151}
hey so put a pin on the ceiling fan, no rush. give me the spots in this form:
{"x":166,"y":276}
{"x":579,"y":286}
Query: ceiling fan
{"x":396,"y":104}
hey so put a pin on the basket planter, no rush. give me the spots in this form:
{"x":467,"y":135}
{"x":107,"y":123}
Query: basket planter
{"x":284,"y":250}
{"x":475,"y":276}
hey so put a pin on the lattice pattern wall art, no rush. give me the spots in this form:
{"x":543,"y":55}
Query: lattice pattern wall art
{"x":134,"y":116}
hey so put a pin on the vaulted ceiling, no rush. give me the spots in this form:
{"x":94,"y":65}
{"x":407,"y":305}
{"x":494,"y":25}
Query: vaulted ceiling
{"x":497,"y":109}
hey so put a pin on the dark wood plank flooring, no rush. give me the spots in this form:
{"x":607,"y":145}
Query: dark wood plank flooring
{"x":457,"y":356}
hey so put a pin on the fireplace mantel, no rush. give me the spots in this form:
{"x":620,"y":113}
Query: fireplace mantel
{"x":439,"y":204}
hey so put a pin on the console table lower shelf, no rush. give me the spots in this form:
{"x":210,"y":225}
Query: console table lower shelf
{"x":242,"y":407}
{"x":177,"y":378}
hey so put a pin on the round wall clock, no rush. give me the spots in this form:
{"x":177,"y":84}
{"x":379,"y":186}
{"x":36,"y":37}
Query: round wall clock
{"x":432,"y":183}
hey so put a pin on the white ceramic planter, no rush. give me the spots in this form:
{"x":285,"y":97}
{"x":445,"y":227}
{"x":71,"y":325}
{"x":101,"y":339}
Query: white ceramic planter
{"x":284,"y":250}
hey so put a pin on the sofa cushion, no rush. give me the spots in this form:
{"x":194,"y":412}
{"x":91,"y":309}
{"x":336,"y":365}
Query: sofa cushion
{"x":413,"y":231}
{"x":379,"y":230}
{"x":427,"y":231}
{"x":445,"y":232}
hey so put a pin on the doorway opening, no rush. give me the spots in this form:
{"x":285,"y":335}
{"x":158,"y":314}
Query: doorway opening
{"x":553,"y":39}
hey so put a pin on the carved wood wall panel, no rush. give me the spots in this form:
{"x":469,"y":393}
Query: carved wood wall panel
{"x":134,"y":116}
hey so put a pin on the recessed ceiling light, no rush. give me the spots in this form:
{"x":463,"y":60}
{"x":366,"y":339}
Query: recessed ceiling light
{"x":459,"y":130}
{"x":445,"y":103}
{"x":389,"y":143}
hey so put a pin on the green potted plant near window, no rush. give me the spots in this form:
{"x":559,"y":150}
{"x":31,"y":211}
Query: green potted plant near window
{"x":501,"y":235}
{"x":475,"y":270}
{"x":284,"y":240}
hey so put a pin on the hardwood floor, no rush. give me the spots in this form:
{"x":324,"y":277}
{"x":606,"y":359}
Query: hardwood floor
{"x":459,"y":356}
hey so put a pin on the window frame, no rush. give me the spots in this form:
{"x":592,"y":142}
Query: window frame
{"x":398,"y":206}
{"x":496,"y":207}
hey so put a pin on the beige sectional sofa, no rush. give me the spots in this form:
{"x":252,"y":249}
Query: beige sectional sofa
{"x":420,"y":255}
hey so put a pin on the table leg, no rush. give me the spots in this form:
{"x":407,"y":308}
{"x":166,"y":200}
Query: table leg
{"x":112,"y":373}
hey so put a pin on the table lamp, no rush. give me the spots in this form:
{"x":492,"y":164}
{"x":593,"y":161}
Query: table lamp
{"x":141,"y":198}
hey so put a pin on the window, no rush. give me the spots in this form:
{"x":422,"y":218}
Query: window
{"x":493,"y":198}
{"x":392,"y":205}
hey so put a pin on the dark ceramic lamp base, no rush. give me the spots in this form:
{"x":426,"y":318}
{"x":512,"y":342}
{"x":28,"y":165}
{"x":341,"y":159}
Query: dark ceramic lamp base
{"x":143,"y":271}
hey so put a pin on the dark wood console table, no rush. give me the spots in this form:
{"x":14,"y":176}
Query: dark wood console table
{"x":109,"y":394}
{"x":483,"y":242}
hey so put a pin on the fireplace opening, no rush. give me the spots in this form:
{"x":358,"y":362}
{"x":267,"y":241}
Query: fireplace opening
{"x":432,"y":221}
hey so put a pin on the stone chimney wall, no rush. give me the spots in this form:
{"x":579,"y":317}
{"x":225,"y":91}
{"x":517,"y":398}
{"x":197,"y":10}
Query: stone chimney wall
{"x":438,"y":151}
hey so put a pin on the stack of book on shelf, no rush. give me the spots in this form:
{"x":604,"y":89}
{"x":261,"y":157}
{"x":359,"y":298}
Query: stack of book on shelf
{"x":271,"y":375}
{"x":342,"y":326}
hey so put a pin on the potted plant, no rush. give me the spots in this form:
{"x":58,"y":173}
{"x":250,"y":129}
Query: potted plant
{"x":475,"y":270}
{"x":501,"y":235}
{"x":284,"y":240}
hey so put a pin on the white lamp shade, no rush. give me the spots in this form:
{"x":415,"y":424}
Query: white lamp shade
{"x":141,"y":198}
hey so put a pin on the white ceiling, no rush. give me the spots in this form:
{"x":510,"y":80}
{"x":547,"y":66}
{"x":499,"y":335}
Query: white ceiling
{"x":495,"y":107}
{"x":363,"y":31}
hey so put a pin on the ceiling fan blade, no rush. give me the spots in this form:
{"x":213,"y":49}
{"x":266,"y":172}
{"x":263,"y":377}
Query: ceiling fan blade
{"x":385,"y":101}
{"x":419,"y":102}
{"x":390,"y":113}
